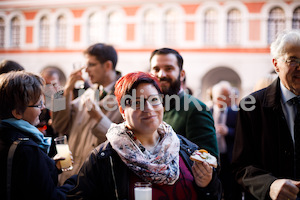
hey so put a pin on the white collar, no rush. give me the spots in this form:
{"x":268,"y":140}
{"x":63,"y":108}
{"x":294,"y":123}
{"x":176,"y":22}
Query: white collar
{"x":286,"y":94}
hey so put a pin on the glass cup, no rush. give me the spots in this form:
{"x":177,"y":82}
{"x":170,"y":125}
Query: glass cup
{"x":142,"y":191}
{"x":63,"y":150}
{"x":80,"y":83}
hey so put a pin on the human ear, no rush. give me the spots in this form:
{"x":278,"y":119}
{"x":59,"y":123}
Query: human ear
{"x":108,"y":65}
{"x":16,"y":114}
{"x":275,"y":64}
{"x":182,"y":75}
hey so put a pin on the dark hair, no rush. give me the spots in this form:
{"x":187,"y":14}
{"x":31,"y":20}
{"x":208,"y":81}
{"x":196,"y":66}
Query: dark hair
{"x":103,"y":53}
{"x":17,"y":91}
{"x":9,"y":65}
{"x":130,"y":81}
{"x":165,"y":51}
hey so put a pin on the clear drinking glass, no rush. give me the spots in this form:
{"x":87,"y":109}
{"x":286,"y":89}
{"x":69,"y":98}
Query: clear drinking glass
{"x":142,"y":191}
{"x":80,"y":83}
{"x":63,"y":150}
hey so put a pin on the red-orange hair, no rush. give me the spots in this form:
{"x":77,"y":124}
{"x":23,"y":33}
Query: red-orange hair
{"x":127,"y":83}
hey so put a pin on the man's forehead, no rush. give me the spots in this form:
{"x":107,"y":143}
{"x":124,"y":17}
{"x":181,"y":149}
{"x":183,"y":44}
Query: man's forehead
{"x":164,"y":59}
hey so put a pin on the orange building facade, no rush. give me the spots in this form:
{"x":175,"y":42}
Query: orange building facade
{"x":219,"y":40}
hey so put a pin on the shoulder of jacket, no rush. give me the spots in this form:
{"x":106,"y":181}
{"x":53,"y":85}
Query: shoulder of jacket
{"x":186,"y":145}
{"x":14,"y":135}
{"x":104,"y":150}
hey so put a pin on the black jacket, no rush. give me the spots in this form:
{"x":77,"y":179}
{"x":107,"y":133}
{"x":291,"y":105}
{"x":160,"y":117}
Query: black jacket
{"x":34,"y":174}
{"x":263,"y":149}
{"x":105,"y":176}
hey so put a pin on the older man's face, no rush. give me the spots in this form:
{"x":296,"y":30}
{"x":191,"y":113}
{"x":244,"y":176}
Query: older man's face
{"x":288,"y":69}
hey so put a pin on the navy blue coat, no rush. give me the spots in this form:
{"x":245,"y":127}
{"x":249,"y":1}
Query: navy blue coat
{"x":34,"y":174}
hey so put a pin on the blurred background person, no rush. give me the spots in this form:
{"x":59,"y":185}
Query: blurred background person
{"x":225,"y":122}
{"x":235,"y":98}
{"x":144,"y":148}
{"x":54,"y":77}
{"x":9,"y":65}
{"x":87,"y":118}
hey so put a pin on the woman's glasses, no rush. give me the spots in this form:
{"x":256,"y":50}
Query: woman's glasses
{"x":40,"y":105}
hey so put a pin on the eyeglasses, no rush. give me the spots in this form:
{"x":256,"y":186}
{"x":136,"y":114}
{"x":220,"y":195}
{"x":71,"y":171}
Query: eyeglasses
{"x":40,"y":105}
{"x":153,"y":100}
{"x":293,"y":62}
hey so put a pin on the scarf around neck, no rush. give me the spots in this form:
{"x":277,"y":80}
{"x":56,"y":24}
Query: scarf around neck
{"x":31,"y":131}
{"x":161,"y":166}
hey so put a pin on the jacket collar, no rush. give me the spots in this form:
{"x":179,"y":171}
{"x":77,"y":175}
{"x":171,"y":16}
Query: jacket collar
{"x":273,"y":94}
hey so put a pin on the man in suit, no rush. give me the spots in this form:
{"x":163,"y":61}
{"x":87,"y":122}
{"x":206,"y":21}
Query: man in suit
{"x":265,"y":155}
{"x":225,"y":122}
{"x":87,"y":118}
{"x":187,"y":115}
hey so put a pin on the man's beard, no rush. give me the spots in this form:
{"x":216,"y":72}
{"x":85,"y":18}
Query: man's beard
{"x":174,"y":86}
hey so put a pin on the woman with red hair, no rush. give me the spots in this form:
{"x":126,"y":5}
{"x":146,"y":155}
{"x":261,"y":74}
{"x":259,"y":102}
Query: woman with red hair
{"x":144,"y":149}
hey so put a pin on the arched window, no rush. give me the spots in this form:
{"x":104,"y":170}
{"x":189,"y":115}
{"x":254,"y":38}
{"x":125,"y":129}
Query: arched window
{"x":296,"y":19}
{"x":276,"y":23}
{"x":44,"y":32}
{"x":234,"y":27}
{"x":61,"y":31}
{"x":15,"y":32}
{"x":210,"y":27}
{"x":93,"y":28}
{"x":149,"y":27}
{"x":114,"y":31}
{"x":170,"y":25}
{"x":2,"y":32}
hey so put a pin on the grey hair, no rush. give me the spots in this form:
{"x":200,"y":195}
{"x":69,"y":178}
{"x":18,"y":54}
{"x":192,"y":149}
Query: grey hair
{"x":219,"y":87}
{"x":278,"y":47}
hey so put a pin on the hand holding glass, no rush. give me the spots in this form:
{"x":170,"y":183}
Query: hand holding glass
{"x":63,"y":150}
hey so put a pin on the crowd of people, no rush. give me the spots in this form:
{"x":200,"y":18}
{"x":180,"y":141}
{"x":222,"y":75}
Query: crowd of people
{"x":144,"y":126}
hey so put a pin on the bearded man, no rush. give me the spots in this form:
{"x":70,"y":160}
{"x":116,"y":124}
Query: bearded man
{"x":186,"y":114}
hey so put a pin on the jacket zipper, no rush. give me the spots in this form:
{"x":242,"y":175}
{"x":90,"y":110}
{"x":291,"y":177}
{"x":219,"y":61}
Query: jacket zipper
{"x":113,"y":175}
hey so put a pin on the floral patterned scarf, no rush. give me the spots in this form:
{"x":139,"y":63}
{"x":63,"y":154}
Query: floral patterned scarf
{"x":160,"y":166}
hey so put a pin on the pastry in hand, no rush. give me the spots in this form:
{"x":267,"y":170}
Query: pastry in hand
{"x":203,"y":156}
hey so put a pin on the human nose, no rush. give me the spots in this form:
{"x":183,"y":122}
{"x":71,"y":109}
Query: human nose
{"x":43,"y":106}
{"x":161,"y":73}
{"x":87,"y":69}
{"x":148,"y":106}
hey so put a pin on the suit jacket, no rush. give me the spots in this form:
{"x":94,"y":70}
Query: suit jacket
{"x":263,"y":149}
{"x":230,"y":123}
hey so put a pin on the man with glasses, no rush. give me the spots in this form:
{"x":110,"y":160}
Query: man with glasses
{"x":187,"y":115}
{"x":87,"y":118}
{"x":266,"y":155}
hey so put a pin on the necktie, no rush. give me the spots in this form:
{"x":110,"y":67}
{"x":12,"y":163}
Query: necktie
{"x":296,"y":101}
{"x":220,"y":118}
{"x":102,"y":94}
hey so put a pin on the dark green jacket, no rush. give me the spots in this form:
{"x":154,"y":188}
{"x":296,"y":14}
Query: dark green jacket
{"x":194,"y":121}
